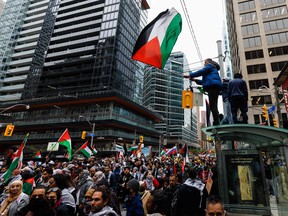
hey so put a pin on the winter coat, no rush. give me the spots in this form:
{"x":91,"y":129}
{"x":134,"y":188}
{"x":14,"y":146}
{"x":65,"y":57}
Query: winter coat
{"x":210,"y":77}
{"x":191,"y":198}
{"x":134,"y":205}
{"x":17,"y":205}
{"x":83,"y":188}
{"x":237,"y":87}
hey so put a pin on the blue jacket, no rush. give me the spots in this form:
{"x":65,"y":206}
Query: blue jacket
{"x":238,"y":87}
{"x":134,"y":206}
{"x":210,"y":77}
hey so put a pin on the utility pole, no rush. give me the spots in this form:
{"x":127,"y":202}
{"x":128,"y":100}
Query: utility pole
{"x":280,"y":121}
{"x":92,"y":135}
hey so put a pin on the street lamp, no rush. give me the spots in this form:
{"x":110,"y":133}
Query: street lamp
{"x":16,"y":105}
{"x":93,"y":129}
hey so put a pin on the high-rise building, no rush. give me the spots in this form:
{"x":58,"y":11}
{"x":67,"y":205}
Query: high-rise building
{"x":2,"y":4}
{"x":162,"y":93}
{"x":71,"y":61}
{"x":259,"y":49}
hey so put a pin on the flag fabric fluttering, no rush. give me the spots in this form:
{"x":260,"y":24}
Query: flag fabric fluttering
{"x":133,"y":148}
{"x":38,"y":155}
{"x":17,"y":158}
{"x":94,"y":151}
{"x":186,"y":157}
{"x":171,"y":151}
{"x":163,"y":152}
{"x":119,"y":148}
{"x":157,"y":39}
{"x":65,"y":140}
{"x":84,"y":149}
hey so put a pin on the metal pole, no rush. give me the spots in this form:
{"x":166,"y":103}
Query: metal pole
{"x":92,"y":135}
{"x":280,"y":122}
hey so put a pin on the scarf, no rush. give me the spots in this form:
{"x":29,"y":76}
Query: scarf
{"x":149,"y":184}
{"x":11,"y":198}
{"x":83,"y":178}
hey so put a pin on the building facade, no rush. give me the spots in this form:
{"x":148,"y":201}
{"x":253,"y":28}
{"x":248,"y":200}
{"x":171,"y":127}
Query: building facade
{"x":71,"y":61}
{"x":162,"y":93}
{"x":259,"y":49}
{"x":2,"y":5}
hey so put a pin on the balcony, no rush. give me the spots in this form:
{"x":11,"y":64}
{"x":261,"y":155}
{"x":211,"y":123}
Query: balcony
{"x":12,"y":88}
{"x":14,"y":79}
{"x":18,"y":70}
{"x":10,"y":97}
{"x":21,"y":62}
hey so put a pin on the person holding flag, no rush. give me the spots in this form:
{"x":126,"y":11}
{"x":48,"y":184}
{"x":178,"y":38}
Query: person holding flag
{"x":211,"y":83}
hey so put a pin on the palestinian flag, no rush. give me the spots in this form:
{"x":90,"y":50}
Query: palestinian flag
{"x":38,"y":155}
{"x":134,"y":148}
{"x":28,"y":186}
{"x":94,"y":151}
{"x":65,"y":140}
{"x":183,"y":150}
{"x":84,"y":149}
{"x":17,"y":158}
{"x":163,"y":152}
{"x":119,"y":148}
{"x":157,"y":39}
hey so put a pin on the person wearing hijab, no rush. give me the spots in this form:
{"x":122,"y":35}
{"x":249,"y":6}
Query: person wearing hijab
{"x":15,"y":201}
{"x":99,"y":180}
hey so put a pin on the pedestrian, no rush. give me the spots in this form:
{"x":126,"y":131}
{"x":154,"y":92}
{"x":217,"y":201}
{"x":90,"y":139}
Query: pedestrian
{"x":99,"y":205}
{"x":211,"y":83}
{"x":133,"y":202}
{"x":225,"y":97}
{"x":191,"y":196}
{"x":53,"y":195}
{"x":215,"y":207}
{"x":238,"y":96}
{"x":157,"y":203}
{"x":15,"y":201}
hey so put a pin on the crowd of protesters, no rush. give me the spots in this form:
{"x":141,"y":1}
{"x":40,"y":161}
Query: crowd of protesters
{"x":107,"y":186}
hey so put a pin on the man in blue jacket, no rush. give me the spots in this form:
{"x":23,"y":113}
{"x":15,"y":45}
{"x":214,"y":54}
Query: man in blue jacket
{"x":211,"y":83}
{"x":238,"y":96}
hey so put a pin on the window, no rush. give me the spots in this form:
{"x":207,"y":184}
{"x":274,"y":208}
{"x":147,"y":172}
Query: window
{"x":276,"y":25}
{"x":264,"y":3}
{"x":277,"y":38}
{"x":254,"y":54}
{"x":277,"y":66}
{"x":252,"y":42}
{"x":256,"y":84}
{"x":253,"y":69}
{"x":274,"y":12}
{"x":250,"y":29}
{"x":248,"y":5}
{"x":278,"y":51}
{"x":248,"y":17}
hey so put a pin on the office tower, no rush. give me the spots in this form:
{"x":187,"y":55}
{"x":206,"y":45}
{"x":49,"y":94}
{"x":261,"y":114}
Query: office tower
{"x":259,"y":49}
{"x":2,"y":4}
{"x":162,"y":93}
{"x":71,"y":61}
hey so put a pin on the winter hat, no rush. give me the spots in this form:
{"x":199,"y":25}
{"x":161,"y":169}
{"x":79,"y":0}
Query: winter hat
{"x":133,"y":184}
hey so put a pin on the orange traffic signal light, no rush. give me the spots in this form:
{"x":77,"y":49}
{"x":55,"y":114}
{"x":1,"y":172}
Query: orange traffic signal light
{"x":265,"y":112}
{"x":187,"y":99}
{"x":9,"y":130}
{"x":83,"y":135}
{"x":275,"y":123}
{"x":141,"y":139}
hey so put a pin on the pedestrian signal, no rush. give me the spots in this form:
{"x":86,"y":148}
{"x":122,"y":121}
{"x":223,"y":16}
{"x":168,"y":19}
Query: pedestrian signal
{"x":141,"y":139}
{"x":265,"y":112}
{"x":9,"y":130}
{"x":83,"y":135}
{"x":275,"y":123}
{"x":187,"y":99}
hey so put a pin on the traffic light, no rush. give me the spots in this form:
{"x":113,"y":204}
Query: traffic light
{"x":9,"y":130}
{"x":83,"y":135}
{"x":187,"y":99}
{"x":141,"y":139}
{"x":265,"y":112}
{"x":275,"y":123}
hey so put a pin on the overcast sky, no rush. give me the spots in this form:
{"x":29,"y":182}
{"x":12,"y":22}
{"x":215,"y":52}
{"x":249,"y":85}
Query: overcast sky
{"x":207,"y":19}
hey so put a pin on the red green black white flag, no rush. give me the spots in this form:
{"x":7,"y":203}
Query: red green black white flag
{"x":157,"y":39}
{"x":65,"y":141}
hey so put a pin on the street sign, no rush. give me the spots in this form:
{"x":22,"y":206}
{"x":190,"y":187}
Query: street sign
{"x":271,"y":109}
{"x":53,"y":146}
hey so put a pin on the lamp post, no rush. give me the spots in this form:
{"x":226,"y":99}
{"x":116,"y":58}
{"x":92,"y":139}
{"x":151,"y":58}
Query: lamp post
{"x":93,"y":129}
{"x":11,"y":107}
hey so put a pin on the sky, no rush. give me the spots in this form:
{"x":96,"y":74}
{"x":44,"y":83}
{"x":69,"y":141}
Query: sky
{"x":207,"y":19}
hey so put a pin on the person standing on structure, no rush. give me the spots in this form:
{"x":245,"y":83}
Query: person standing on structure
{"x":238,"y":96}
{"x":211,"y":83}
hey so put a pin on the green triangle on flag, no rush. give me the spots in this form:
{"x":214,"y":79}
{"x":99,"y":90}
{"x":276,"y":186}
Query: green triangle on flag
{"x":65,"y":140}
{"x":84,"y":149}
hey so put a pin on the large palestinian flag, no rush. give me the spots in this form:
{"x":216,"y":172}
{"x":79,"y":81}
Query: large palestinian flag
{"x":86,"y":150}
{"x":157,"y":39}
{"x":65,"y":140}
